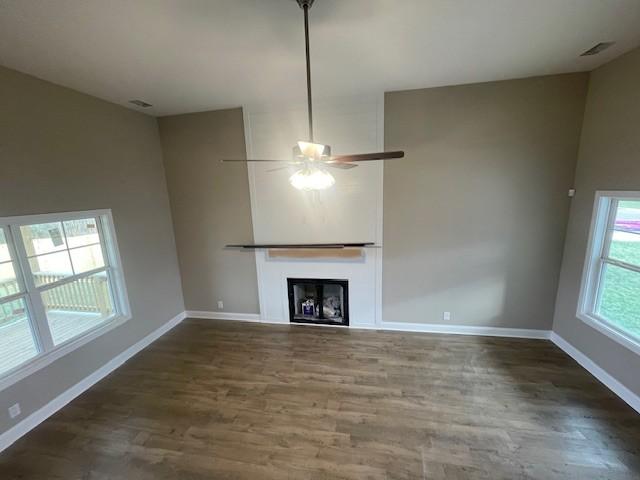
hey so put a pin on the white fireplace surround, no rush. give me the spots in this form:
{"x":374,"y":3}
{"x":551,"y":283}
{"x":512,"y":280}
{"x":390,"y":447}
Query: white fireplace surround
{"x":361,"y":275}
{"x":350,"y":211}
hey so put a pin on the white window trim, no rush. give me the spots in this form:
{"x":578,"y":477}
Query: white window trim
{"x":120,"y":296}
{"x":592,"y":269}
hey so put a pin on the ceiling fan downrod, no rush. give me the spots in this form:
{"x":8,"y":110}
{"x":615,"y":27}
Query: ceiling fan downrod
{"x":305,"y":5}
{"x":312,"y":160}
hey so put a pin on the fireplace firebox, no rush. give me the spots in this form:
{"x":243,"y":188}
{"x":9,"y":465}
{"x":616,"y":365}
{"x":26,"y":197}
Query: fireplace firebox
{"x":320,"y":301}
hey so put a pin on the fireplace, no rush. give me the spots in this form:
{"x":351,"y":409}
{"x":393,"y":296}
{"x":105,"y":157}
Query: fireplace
{"x":319,"y":301}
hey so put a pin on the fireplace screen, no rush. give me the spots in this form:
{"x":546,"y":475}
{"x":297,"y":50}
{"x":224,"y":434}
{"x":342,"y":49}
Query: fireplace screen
{"x":314,"y":300}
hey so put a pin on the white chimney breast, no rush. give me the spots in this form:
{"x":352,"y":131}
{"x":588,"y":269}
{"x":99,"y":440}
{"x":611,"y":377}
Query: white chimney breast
{"x":350,"y":211}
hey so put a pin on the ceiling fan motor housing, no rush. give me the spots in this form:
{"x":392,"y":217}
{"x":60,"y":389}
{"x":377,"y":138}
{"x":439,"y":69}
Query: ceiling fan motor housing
{"x":315,"y":151}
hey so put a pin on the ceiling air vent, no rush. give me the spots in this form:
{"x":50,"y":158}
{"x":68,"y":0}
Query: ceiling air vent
{"x":140,"y":103}
{"x":596,"y":49}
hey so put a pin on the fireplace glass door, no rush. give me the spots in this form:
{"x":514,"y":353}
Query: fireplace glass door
{"x":322,"y":301}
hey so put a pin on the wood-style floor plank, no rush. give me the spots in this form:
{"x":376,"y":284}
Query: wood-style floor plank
{"x":227,"y":400}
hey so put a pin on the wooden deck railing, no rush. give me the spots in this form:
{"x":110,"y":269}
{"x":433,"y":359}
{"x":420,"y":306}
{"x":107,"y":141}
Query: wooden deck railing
{"x":87,"y":294}
{"x":8,"y":287}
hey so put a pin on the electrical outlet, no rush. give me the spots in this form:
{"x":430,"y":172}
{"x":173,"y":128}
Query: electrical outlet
{"x":220,"y":305}
{"x":446,"y":316}
{"x":14,"y":410}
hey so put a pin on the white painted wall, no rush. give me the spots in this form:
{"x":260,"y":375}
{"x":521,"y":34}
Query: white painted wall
{"x":347,"y":212}
{"x":350,"y":211}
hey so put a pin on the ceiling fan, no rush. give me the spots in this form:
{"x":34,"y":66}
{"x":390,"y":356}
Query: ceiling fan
{"x":311,"y":159}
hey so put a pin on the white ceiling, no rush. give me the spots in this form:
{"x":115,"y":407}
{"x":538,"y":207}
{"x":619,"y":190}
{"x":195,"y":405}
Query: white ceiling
{"x":193,"y":55}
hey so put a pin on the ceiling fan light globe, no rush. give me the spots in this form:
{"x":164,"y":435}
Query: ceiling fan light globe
{"x":312,"y":179}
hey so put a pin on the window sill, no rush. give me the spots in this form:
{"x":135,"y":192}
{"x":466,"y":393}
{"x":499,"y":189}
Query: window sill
{"x":612,"y":332}
{"x":43,"y":359}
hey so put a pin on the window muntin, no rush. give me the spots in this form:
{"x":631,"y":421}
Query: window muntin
{"x":611,"y":287}
{"x":63,"y":286}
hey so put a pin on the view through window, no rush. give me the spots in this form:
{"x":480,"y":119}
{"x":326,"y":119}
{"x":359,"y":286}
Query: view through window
{"x":17,"y":342}
{"x":619,"y":295}
{"x":612,"y":290}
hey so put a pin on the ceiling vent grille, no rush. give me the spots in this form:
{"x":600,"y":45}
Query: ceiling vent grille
{"x":596,"y":49}
{"x":140,"y":103}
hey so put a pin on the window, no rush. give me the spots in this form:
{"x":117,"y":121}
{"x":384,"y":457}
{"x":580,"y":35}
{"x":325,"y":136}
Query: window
{"x":61,"y":285}
{"x":610,"y":296}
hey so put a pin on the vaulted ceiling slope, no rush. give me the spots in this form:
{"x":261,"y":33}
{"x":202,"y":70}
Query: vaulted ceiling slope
{"x":193,"y":55}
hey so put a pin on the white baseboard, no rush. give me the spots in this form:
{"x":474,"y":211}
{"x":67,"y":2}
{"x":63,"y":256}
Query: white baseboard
{"x":36,"y":418}
{"x":240,"y":317}
{"x":394,"y":326}
{"x":466,"y":330}
{"x":594,"y":369}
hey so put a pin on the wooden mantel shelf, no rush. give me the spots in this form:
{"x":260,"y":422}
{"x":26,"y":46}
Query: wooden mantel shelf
{"x":310,"y":250}
{"x":305,"y":246}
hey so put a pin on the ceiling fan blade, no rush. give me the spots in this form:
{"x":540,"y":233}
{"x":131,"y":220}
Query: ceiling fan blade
{"x":363,"y":157}
{"x":280,"y":168}
{"x":255,"y":160}
{"x":341,"y":165}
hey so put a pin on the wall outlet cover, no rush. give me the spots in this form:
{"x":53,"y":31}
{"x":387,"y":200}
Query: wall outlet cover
{"x":446,"y":316}
{"x":220,"y":304}
{"x":14,"y":410}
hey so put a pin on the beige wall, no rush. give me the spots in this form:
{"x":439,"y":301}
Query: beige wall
{"x":64,"y":151}
{"x":211,"y":208}
{"x":475,"y":215}
{"x":609,"y":160}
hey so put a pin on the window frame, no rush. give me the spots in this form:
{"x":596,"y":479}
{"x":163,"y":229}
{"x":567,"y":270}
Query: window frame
{"x":48,"y":352}
{"x":600,"y":235}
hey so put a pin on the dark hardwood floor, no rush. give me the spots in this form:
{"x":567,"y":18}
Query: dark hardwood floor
{"x":227,"y":400}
